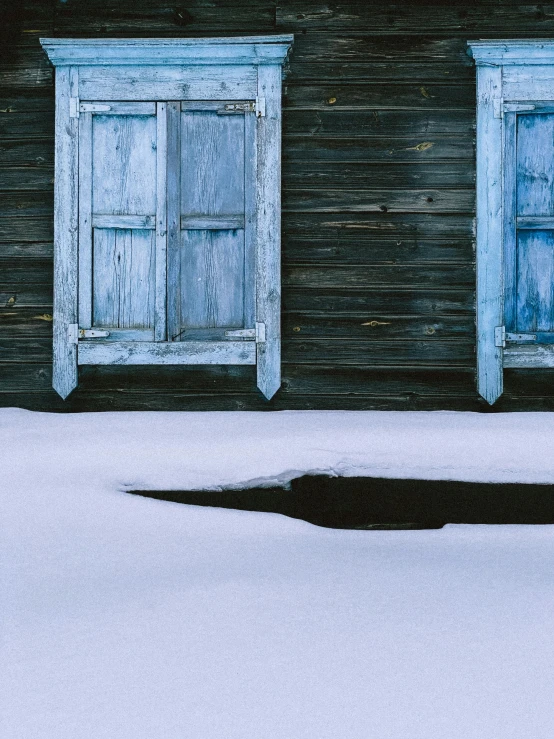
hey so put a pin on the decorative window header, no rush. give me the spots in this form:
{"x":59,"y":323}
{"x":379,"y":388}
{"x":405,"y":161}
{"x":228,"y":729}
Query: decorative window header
{"x":507,"y":51}
{"x":252,"y":50}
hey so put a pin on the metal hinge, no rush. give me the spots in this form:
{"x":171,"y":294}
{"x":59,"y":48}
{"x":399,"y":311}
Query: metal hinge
{"x":257,"y":333}
{"x":500,"y":107}
{"x":93,"y":108}
{"x":73,"y":107}
{"x":503,"y":337}
{"x":251,"y":106}
{"x":92,"y":333}
{"x":74,"y":333}
{"x":260,"y":332}
{"x":241,"y":333}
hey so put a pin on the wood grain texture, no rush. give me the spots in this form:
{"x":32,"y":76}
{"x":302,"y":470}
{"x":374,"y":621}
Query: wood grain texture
{"x":159,"y":352}
{"x":66,"y":223}
{"x":489,"y":234}
{"x":268,"y":209}
{"x":407,"y":19}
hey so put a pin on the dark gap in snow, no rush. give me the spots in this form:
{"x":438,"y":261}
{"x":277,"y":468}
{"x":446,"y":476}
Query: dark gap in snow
{"x":383,"y":503}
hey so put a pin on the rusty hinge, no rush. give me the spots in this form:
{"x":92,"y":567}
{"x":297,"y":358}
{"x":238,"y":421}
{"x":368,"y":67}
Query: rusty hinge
{"x":256,"y":106}
{"x":257,"y":333}
{"x":92,"y":333}
{"x":74,"y":333}
{"x":241,"y":333}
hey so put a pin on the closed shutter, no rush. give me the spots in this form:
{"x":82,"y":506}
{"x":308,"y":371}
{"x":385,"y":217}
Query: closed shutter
{"x":122,"y":222}
{"x":529,"y":227}
{"x":212,"y":262}
{"x":167,"y":203}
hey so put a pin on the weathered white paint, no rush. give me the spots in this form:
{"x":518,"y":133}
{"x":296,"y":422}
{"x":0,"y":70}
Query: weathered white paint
{"x":66,"y":215}
{"x":170,"y":352}
{"x":268,"y":236}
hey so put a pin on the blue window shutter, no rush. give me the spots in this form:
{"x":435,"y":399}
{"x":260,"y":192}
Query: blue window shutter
{"x":120,"y":212}
{"x":167,"y":203}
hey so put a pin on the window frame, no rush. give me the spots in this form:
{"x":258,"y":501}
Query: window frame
{"x":237,"y":68}
{"x":512,"y":74}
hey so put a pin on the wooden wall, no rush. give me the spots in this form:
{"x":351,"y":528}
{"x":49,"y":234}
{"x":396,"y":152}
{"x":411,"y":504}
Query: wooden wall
{"x":378,"y":205}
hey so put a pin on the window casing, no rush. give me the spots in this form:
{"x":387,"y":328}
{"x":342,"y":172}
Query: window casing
{"x":515,"y":208}
{"x":167,"y":203}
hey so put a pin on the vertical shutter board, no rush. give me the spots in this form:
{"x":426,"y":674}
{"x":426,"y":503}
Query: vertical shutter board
{"x":535,"y":279}
{"x":212,"y":150}
{"x":509,"y":216}
{"x":124,"y":186}
{"x":124,"y":164}
{"x":160,"y":299}
{"x":535,"y":165}
{"x":123,"y":278}
{"x":535,"y":198}
{"x":212,"y":186}
{"x":489,"y":234}
{"x":85,"y":220}
{"x":173,"y":220}
{"x":212,"y":279}
{"x":268,"y":262}
{"x":250,"y":168}
{"x":66,"y":217}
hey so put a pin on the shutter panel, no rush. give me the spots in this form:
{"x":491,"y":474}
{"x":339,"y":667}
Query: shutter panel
{"x":529,"y":238}
{"x":122,"y":220}
{"x":211,"y":282}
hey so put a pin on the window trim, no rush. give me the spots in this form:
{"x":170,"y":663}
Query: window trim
{"x":503,"y":71}
{"x":208,"y":67}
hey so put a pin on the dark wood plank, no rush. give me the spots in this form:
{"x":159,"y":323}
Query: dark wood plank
{"x":358,"y":44}
{"x":363,"y":380}
{"x":26,"y":204}
{"x":423,"y":225}
{"x":26,"y":229}
{"x":372,"y":326}
{"x":357,"y":122}
{"x":26,"y":67}
{"x":379,"y":148}
{"x":357,"y":175}
{"x":379,"y":353}
{"x":33,"y":124}
{"x":376,"y":201}
{"x":40,"y":179}
{"x":27,"y":153}
{"x":17,"y":272}
{"x":386,"y":276}
{"x":397,"y":70}
{"x":25,"y":295}
{"x":27,"y":249}
{"x":404,"y":301}
{"x":16,"y":321}
{"x":375,"y":249}
{"x":410,"y":96}
{"x":160,"y":18}
{"x":25,"y":348}
{"x":413,"y":19}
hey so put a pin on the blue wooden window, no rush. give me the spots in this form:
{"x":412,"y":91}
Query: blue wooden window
{"x":515,"y":208}
{"x":167,"y":203}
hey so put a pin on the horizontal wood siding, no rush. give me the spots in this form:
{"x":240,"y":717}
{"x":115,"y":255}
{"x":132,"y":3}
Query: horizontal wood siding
{"x":378,"y":205}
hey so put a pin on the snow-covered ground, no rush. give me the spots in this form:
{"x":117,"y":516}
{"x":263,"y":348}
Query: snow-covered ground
{"x":130,"y":618}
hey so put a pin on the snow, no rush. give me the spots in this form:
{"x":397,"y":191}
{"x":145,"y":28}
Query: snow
{"x":136,"y":618}
{"x":215,"y":450}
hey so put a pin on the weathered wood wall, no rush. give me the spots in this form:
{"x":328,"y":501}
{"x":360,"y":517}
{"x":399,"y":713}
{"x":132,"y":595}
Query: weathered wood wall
{"x":378,"y":205}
